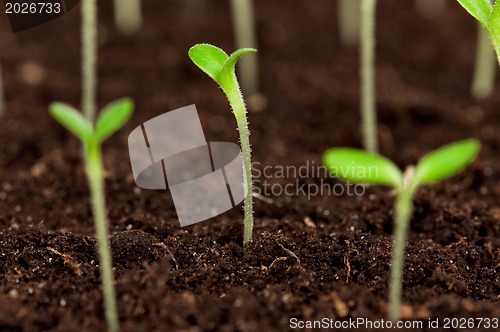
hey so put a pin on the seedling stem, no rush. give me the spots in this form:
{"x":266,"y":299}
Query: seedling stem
{"x":348,"y":16}
{"x":244,"y":29}
{"x":89,"y":55}
{"x":128,"y":17}
{"x":221,"y":68}
{"x":485,"y":68}
{"x":368,"y":103}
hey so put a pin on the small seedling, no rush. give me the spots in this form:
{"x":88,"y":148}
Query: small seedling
{"x":221,"y":68}
{"x":368,"y":102}
{"x":348,"y":17}
{"x":489,"y":16}
{"x":112,"y":118}
{"x":127,"y":14}
{"x":244,"y":30}
{"x":436,"y":166}
{"x":92,"y":134}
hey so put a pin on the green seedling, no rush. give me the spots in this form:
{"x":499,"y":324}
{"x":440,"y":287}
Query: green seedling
{"x":127,"y":14}
{"x":221,"y":68}
{"x":348,"y":17}
{"x":244,"y":29}
{"x":488,"y":16}
{"x":368,"y":101}
{"x":112,"y":118}
{"x":92,"y":134}
{"x":358,"y":166}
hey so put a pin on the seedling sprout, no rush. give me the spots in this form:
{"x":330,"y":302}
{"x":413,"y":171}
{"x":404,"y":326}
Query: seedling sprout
{"x":92,"y":135}
{"x":434,"y":167}
{"x":244,"y":29}
{"x":221,"y":68}
{"x":368,"y":103}
{"x":127,"y":14}
{"x":348,"y":16}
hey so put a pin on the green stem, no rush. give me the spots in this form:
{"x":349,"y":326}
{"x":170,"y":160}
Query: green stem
{"x":89,"y":54}
{"x":485,"y":68}
{"x":244,"y":28}
{"x":404,"y":207}
{"x":239,"y":110}
{"x":128,"y":18}
{"x":95,"y":173}
{"x":368,"y":106}
{"x":348,"y":17}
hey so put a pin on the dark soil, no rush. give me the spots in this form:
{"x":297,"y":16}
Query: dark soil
{"x":311,"y":258}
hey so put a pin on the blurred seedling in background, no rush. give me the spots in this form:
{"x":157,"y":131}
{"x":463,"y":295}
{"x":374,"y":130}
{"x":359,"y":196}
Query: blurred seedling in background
{"x":244,"y":33}
{"x":127,"y":15}
{"x":439,"y":165}
{"x":221,"y":68}
{"x":348,"y":21}
{"x":112,"y":118}
{"x":367,"y":72}
{"x":92,"y":134}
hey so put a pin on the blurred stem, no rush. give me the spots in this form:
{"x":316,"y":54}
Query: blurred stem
{"x":485,"y":69}
{"x":368,"y":102}
{"x":128,"y":17}
{"x":95,"y":175}
{"x":244,"y":29}
{"x":348,"y":18}
{"x":89,"y":54}
{"x":403,"y":211}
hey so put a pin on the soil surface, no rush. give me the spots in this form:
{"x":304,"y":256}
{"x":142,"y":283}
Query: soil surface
{"x":312,"y":257}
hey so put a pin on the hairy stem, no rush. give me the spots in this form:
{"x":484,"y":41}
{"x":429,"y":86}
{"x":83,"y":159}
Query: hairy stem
{"x":348,"y":18}
{"x":127,"y":13}
{"x":95,"y":172}
{"x":404,"y":207}
{"x":239,"y":110}
{"x":244,"y":28}
{"x":368,"y":103}
{"x":89,"y":54}
{"x":485,"y":68}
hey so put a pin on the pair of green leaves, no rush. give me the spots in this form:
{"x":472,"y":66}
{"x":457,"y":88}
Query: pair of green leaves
{"x":217,"y":64}
{"x":361,"y":167}
{"x":488,"y":15}
{"x":112,"y":118}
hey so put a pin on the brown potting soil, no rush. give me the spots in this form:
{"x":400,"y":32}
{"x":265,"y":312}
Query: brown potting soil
{"x":312,"y":256}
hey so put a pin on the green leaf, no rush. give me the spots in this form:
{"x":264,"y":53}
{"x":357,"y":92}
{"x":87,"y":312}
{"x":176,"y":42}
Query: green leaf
{"x":227,"y":71}
{"x":216,"y":63}
{"x":208,"y":58}
{"x":359,"y":166}
{"x":495,"y":28}
{"x":480,"y":10}
{"x":72,"y":120}
{"x":446,"y":161}
{"x":113,"y":117}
